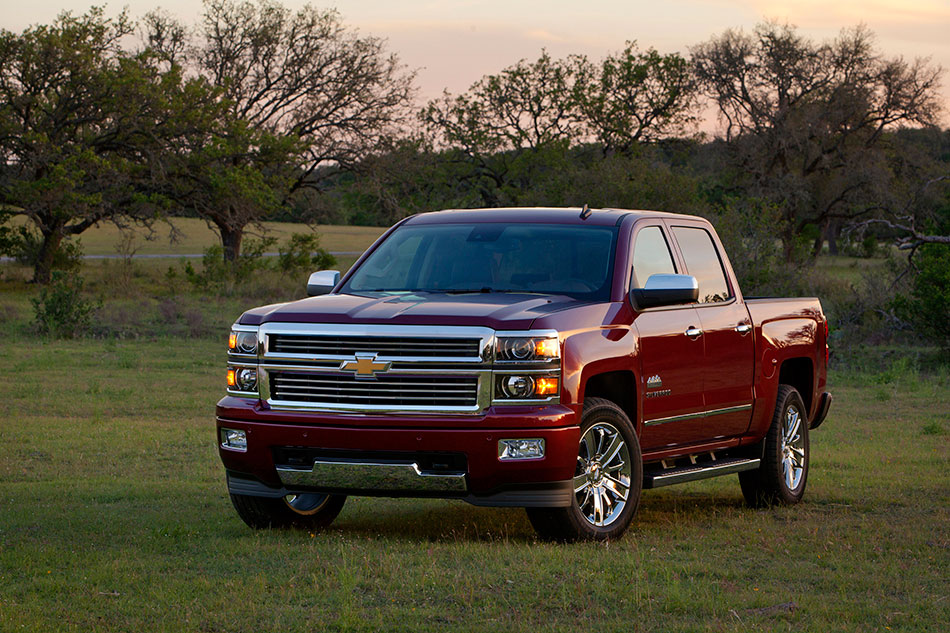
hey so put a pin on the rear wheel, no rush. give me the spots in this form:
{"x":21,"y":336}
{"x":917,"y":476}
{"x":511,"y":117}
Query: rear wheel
{"x":313,"y":511}
{"x":607,"y":480}
{"x":781,"y":477}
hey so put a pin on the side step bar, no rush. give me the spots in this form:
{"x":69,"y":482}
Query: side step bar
{"x":666,"y":477}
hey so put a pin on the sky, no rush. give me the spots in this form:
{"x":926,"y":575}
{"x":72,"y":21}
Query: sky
{"x":452,"y":43}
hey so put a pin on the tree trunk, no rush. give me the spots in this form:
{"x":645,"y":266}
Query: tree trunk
{"x":231,"y":241}
{"x":43,"y":269}
{"x":834,"y":230}
{"x":788,"y":243}
{"x":819,"y":241}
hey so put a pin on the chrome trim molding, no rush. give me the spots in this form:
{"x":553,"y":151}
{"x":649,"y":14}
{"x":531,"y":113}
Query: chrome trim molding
{"x":697,"y":415}
{"x":353,"y":475}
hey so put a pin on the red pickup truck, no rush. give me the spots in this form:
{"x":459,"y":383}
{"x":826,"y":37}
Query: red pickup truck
{"x":559,"y":360}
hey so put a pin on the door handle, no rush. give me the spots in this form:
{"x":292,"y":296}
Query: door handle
{"x":743,"y":328}
{"x":693,"y":332}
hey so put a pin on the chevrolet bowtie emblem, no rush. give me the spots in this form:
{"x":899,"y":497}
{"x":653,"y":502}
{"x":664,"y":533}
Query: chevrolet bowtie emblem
{"x":365,"y":365}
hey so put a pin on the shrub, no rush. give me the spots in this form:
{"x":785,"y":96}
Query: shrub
{"x":218,"y":274}
{"x":60,"y":309}
{"x":928,"y":305}
{"x":302,"y":253}
{"x":24,"y":246}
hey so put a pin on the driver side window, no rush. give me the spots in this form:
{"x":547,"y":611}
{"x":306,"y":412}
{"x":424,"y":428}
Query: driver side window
{"x":651,"y":255}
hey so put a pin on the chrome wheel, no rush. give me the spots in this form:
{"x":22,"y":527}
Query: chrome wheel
{"x":306,"y":504}
{"x":793,"y":448}
{"x":602,"y":477}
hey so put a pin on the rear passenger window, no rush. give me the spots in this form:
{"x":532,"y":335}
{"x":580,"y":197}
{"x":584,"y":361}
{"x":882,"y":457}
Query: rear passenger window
{"x":703,"y":263}
{"x":651,"y":255}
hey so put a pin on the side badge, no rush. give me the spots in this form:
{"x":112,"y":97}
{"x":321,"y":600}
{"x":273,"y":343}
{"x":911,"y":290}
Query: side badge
{"x":654,"y":382}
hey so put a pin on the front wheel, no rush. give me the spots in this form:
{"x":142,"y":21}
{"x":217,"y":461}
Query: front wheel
{"x":781,"y":477}
{"x":608,"y":479}
{"x":312,"y":511}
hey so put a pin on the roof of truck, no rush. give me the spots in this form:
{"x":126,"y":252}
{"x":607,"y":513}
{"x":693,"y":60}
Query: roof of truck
{"x":541,"y":215}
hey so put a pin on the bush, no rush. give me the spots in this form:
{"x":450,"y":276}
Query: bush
{"x":928,"y":305}
{"x":24,"y":246}
{"x":749,"y":229}
{"x":61,"y":311}
{"x":302,"y":253}
{"x":219,"y":274}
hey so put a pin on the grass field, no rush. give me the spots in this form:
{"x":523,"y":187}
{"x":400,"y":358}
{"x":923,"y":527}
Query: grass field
{"x":114,"y":517}
{"x":192,"y":236}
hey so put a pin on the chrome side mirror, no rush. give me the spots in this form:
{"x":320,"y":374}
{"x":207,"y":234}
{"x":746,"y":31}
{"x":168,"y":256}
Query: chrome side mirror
{"x":665,"y":290}
{"x":322,"y":282}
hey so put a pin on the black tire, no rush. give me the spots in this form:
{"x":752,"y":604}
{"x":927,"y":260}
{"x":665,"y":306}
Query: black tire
{"x":312,"y":511}
{"x":606,"y":474}
{"x":781,"y":478}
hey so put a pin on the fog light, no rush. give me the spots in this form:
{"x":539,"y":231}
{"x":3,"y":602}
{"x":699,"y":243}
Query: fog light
{"x":518,"y":386}
{"x":521,"y":449}
{"x":234,"y":439}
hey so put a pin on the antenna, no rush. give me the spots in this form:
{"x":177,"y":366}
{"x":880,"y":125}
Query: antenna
{"x":585,"y":212}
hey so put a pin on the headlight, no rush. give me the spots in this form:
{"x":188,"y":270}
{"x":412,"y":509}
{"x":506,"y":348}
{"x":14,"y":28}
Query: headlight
{"x":527,"y":348}
{"x":243,"y":342}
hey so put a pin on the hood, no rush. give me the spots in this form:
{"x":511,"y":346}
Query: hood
{"x":501,"y":311}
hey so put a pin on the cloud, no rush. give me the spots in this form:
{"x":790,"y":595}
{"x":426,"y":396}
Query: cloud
{"x":821,"y":12}
{"x":543,"y":36}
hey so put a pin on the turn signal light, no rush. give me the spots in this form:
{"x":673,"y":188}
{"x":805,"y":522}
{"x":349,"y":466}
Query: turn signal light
{"x":231,"y":378}
{"x":546,"y":386}
{"x":232,"y":340}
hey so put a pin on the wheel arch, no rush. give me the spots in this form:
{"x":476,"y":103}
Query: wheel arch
{"x":799,"y":373}
{"x":618,"y":386}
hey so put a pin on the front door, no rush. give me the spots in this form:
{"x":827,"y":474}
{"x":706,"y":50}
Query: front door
{"x":671,"y":376}
{"x":671,"y":353}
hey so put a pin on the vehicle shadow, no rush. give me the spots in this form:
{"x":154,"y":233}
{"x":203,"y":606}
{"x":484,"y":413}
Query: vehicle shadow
{"x":438,"y":520}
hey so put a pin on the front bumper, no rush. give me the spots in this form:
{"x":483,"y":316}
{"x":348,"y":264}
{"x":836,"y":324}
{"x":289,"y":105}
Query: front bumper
{"x":446,"y":457}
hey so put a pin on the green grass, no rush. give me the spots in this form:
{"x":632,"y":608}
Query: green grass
{"x":193,"y":236}
{"x":114,"y":517}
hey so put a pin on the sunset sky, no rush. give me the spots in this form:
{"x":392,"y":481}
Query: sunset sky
{"x":454,"y":42}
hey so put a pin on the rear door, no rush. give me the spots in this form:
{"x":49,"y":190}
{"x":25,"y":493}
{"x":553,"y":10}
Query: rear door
{"x":669,"y":358}
{"x":729,"y":348}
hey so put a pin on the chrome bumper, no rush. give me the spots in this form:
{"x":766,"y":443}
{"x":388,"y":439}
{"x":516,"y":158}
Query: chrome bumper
{"x":345,"y":475}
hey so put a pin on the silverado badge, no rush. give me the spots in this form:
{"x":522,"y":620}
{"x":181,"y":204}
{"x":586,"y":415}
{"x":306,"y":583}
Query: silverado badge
{"x":365,"y":365}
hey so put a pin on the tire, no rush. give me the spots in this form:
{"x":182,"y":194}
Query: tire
{"x":781,"y":478}
{"x":313,"y":511}
{"x":608,"y":480}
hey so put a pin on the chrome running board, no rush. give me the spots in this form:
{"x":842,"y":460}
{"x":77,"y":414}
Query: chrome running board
{"x":665,"y":477}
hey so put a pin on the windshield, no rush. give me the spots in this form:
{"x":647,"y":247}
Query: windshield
{"x":456,"y":258}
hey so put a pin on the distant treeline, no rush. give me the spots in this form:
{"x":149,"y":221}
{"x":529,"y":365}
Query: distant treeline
{"x":259,"y":112}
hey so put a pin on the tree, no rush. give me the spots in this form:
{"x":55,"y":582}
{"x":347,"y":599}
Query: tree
{"x":522,"y":107}
{"x":805,"y":121}
{"x":300,"y":93}
{"x":635,"y":97}
{"x":74,"y":127}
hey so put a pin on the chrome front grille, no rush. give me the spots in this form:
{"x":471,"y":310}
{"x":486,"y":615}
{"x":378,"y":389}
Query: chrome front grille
{"x":395,"y":390}
{"x":370,"y":368}
{"x":388,"y":346}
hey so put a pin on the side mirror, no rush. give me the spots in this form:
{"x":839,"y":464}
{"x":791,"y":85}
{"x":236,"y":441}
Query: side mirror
{"x":666,"y":290}
{"x":322,"y":282}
